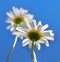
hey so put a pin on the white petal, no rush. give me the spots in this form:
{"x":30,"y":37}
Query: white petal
{"x":44,"y":27}
{"x":21,"y":37}
{"x":41,"y":41}
{"x":19,"y":29}
{"x":30,"y":44}
{"x":9,"y":21}
{"x":25,"y":42}
{"x":33,"y":24}
{"x":38,"y":45}
{"x":27,"y":23}
{"x":52,"y":34}
{"x":46,"y":42}
{"x":12,"y":28}
{"x":50,"y":30}
{"x":14,"y":10}
{"x":47,"y":45}
{"x":30,"y":16}
{"x":39,"y":25}
{"x":48,"y":33}
{"x":49,"y":37}
{"x":10,"y":14}
{"x":8,"y":27}
{"x":23,"y":29}
{"x":24,"y":26}
{"x":18,"y":33}
{"x":23,"y":11}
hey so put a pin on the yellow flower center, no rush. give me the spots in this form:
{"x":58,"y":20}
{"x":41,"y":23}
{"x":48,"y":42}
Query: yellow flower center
{"x":18,"y":20}
{"x":34,"y":35}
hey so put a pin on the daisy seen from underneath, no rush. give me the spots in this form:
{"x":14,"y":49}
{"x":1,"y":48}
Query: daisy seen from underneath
{"x":36,"y":34}
{"x":17,"y":17}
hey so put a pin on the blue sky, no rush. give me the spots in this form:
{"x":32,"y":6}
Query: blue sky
{"x":48,"y":11}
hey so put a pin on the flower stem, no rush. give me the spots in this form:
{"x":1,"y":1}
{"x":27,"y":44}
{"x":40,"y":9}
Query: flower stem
{"x":33,"y":53}
{"x":11,"y":50}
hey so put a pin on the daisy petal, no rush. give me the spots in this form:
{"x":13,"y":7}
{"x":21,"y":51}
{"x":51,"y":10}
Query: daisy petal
{"x":50,"y":30}
{"x":38,"y":46}
{"x":10,"y":14}
{"x":27,"y":23}
{"x":49,"y":37}
{"x":19,"y":29}
{"x":9,"y":21}
{"x":30,"y":44}
{"x":48,"y":33}
{"x":46,"y":42}
{"x":15,"y":10}
{"x":41,"y":41}
{"x":52,"y":34}
{"x":21,"y":37}
{"x":11,"y":27}
{"x":30,"y":16}
{"x":17,"y":33}
{"x":25,"y":42}
{"x":39,"y":26}
{"x":24,"y":26}
{"x":8,"y":27}
{"x":22,"y":29}
{"x":33,"y":24}
{"x":47,"y":45}
{"x":23,"y":11}
{"x":40,"y":23}
{"x":44,"y":27}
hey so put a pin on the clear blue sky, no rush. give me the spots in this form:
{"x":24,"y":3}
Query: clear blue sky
{"x":48,"y":11}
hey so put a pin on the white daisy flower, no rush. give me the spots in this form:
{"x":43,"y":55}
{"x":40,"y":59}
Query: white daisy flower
{"x":17,"y":17}
{"x":36,"y":34}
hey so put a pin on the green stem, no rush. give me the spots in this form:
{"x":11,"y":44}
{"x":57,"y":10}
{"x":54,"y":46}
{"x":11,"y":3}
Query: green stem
{"x":14,"y":44}
{"x":33,"y":53}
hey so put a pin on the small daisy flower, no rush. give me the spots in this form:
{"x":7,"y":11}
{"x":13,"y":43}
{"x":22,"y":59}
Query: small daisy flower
{"x":17,"y":17}
{"x":35,"y":35}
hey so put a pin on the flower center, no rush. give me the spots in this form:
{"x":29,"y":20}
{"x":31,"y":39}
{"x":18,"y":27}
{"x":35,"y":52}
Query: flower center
{"x":18,"y":20}
{"x":34,"y":35}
